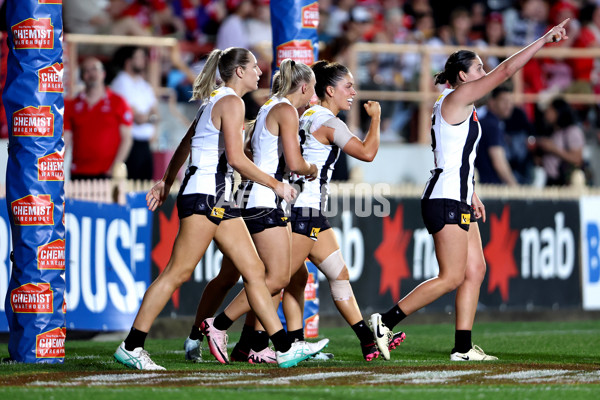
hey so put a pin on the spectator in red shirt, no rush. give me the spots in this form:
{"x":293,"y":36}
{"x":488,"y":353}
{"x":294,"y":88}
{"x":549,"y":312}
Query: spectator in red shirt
{"x":97,"y":126}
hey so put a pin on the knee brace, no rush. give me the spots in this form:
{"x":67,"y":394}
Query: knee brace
{"x":331,"y":268}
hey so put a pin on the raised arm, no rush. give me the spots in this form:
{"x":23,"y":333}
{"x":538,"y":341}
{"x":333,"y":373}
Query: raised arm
{"x":470,"y":92}
{"x":366,"y":150}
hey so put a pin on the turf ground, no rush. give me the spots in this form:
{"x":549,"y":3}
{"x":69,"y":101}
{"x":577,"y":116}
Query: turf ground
{"x":538,"y":360}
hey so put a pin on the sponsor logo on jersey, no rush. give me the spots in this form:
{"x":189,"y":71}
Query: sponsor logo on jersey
{"x":33,"y":34}
{"x":268,"y":102}
{"x":51,"y":344}
{"x":310,"y":16}
{"x":33,"y":121}
{"x":33,"y":210}
{"x":50,"y":78}
{"x":52,"y":255}
{"x":465,"y":219}
{"x":298,"y":50}
{"x":51,"y":167}
{"x":314,"y":232}
{"x":308,"y":113}
{"x":32,"y":298}
{"x":217,"y":212}
{"x":475,"y":115}
{"x":49,"y":1}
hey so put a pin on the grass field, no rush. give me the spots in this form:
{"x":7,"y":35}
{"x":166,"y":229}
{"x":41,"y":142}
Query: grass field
{"x":538,"y":360}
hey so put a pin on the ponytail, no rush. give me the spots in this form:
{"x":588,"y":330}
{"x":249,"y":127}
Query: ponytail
{"x":291,"y":76}
{"x":458,"y":61}
{"x":440,"y":78}
{"x":206,"y":81}
{"x":226,"y":61}
{"x":327,"y":74}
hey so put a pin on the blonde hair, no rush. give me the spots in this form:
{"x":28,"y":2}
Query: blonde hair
{"x":291,"y":75}
{"x":226,"y":61}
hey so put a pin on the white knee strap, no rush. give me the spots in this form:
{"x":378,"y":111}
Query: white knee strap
{"x":331,"y":267}
{"x":341,"y":290}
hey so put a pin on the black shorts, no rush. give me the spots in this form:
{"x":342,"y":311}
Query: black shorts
{"x":439,"y":212}
{"x":258,"y":219}
{"x":206,"y":204}
{"x":308,"y":221}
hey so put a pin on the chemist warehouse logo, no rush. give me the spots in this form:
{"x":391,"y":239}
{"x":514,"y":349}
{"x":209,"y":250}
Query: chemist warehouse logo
{"x":51,"y":344}
{"x":52,"y":255}
{"x":33,"y":121}
{"x":31,"y":298}
{"x":310,"y":16}
{"x":51,"y":167}
{"x":33,"y":210}
{"x":33,"y":34}
{"x":298,"y":50}
{"x":50,"y":78}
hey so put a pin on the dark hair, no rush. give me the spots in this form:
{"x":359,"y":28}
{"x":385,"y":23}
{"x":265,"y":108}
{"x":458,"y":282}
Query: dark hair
{"x":226,"y":61}
{"x":504,"y":88}
{"x":565,"y":116}
{"x":458,"y":61}
{"x":125,"y":53}
{"x":327,"y":74}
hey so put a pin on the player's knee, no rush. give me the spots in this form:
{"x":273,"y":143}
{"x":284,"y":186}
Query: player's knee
{"x":276,"y":282}
{"x":341,"y":290}
{"x":337,"y":274}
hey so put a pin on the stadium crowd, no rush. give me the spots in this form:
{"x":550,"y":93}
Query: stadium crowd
{"x":202,"y":25}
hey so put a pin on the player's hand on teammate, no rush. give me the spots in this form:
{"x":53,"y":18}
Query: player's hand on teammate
{"x":478,"y":207}
{"x":557,"y":33}
{"x":285,"y":191}
{"x":157,"y":195}
{"x":373,"y":108}
{"x":313,"y":173}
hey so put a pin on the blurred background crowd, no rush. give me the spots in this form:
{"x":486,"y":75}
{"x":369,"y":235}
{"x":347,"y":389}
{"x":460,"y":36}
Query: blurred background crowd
{"x":553,"y":135}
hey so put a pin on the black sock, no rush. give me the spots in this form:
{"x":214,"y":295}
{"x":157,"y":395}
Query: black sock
{"x":222,"y":322}
{"x":135,"y":339}
{"x":281,"y":342}
{"x":245,"y":343}
{"x":462,"y":341}
{"x":393,"y":317}
{"x":196,"y":334}
{"x":260,"y":340}
{"x":363,"y":332}
{"x":297,"y":335}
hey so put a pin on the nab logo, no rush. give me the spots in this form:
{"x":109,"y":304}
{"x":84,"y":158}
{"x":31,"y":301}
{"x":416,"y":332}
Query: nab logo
{"x":51,"y":168}
{"x":50,"y":78}
{"x":314,"y":232}
{"x":298,"y":50}
{"x":33,"y":210}
{"x":52,"y":255}
{"x":310,"y":16}
{"x":33,"y":34}
{"x":33,"y":121}
{"x":217,"y":212}
{"x":465,"y":219}
{"x":51,"y":344}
